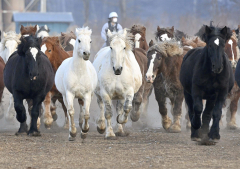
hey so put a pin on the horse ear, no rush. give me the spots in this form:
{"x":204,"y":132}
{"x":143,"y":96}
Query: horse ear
{"x":151,"y":43}
{"x":158,"y":29}
{"x":37,"y":28}
{"x":22,"y":27}
{"x":183,"y":39}
{"x":109,"y":33}
{"x":207,"y":30}
{"x":172,"y":29}
{"x":226,"y":32}
{"x":46,"y":27}
{"x":125,"y":32}
{"x":76,"y":31}
{"x":196,"y":40}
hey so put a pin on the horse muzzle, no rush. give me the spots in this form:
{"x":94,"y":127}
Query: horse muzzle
{"x":217,"y":70}
{"x":86,"y":55}
{"x":150,"y":79}
{"x":117,"y":71}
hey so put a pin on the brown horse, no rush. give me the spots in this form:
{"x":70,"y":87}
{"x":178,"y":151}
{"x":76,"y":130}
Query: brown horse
{"x":164,"y":64}
{"x":52,"y":48}
{"x":28,"y":30}
{"x":140,"y":39}
{"x":67,"y":40}
{"x":141,"y":97}
{"x":2,"y":65}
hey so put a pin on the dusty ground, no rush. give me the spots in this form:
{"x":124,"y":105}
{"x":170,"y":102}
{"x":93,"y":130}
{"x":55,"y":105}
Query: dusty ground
{"x":148,"y":148}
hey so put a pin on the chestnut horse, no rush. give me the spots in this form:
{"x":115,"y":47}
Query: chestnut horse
{"x":52,"y":48}
{"x":139,"y":33}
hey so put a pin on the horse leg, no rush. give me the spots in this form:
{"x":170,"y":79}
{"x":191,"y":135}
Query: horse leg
{"x":86,"y":115}
{"x":21,"y":114}
{"x":216,"y":115}
{"x":101,"y":126}
{"x":123,"y":118}
{"x":206,"y":118}
{"x":81,"y":115}
{"x":10,"y":112}
{"x":161,"y":99}
{"x":233,"y":110}
{"x":53,"y":107}
{"x":66,"y":123}
{"x":177,"y":113}
{"x":108,"y":115}
{"x":197,"y":107}
{"x":188,"y":122}
{"x":189,"y":101}
{"x":68,"y":100}
{"x":1,"y":104}
{"x":48,"y":120}
{"x":36,"y":108}
{"x":137,"y":100}
{"x":119,"y":110}
{"x":30,"y":105}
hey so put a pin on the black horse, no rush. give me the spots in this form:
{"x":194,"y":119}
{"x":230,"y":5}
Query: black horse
{"x":237,"y":73}
{"x":207,"y":74}
{"x":28,"y":74}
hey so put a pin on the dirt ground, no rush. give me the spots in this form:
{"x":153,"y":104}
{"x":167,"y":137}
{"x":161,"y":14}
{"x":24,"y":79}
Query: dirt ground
{"x":147,"y":148}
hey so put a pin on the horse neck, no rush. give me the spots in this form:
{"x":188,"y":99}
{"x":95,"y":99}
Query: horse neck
{"x":58,"y":57}
{"x":79,"y":63}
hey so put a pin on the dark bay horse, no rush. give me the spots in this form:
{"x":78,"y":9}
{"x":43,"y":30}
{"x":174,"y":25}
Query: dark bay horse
{"x":67,"y":40}
{"x":206,"y":73}
{"x":163,"y":34}
{"x":164,"y":63}
{"x":28,"y":30}
{"x":139,"y":33}
{"x":28,"y":74}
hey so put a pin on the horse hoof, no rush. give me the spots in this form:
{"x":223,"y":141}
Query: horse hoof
{"x":73,"y":134}
{"x":101,"y":131}
{"x":134,"y":118}
{"x":174,"y":129}
{"x":196,"y":139}
{"x":232,"y":126}
{"x":21,"y":133}
{"x":34,"y":134}
{"x":207,"y":142}
{"x":71,"y":138}
{"x":122,"y":134}
{"x":111,"y":138}
{"x":55,"y":117}
{"x":85,"y":131}
{"x":83,"y":135}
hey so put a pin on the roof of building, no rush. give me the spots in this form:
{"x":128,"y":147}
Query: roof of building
{"x":42,"y":17}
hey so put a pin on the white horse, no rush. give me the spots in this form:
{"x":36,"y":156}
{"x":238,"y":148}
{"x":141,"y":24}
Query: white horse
{"x":77,"y":78}
{"x":119,"y":78}
{"x":9,"y":45}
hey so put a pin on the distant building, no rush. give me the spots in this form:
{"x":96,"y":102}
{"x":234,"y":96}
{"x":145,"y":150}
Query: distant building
{"x":56,"y":21}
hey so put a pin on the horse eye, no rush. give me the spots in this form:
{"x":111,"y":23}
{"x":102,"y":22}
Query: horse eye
{"x":124,"y":48}
{"x":91,"y":42}
{"x":110,"y":47}
{"x":49,"y":51}
{"x":79,"y":41}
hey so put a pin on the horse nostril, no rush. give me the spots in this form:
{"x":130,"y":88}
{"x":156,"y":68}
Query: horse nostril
{"x":121,"y":68}
{"x":84,"y":53}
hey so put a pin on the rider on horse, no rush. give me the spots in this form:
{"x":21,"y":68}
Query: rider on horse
{"x":112,"y":25}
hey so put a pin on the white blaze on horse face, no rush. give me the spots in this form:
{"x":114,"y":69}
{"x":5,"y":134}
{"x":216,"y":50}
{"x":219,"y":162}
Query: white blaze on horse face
{"x":26,"y":35}
{"x":149,"y":73}
{"x":72,"y":42}
{"x":217,"y":42}
{"x":230,"y":42}
{"x":42,"y":34}
{"x":137,"y":38}
{"x":34,"y":52}
{"x":165,"y":37}
{"x":44,"y":48}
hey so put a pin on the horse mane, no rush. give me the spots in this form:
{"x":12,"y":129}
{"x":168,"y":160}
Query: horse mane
{"x":201,"y":33}
{"x":26,"y":43}
{"x":83,"y":31}
{"x":11,"y":35}
{"x":127,"y":39}
{"x":138,"y":29}
{"x":167,"y":48}
{"x":162,"y":31}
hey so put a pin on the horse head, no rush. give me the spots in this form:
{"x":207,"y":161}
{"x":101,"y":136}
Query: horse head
{"x":29,"y":50}
{"x":83,"y":42}
{"x":9,"y":44}
{"x":232,"y":50}
{"x":68,"y":40}
{"x":164,"y":34}
{"x":139,"y":33}
{"x":119,"y":44}
{"x":28,"y":30}
{"x":43,"y":31}
{"x":48,"y":46}
{"x":215,"y":39}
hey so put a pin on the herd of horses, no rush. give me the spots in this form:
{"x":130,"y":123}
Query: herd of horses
{"x":198,"y":70}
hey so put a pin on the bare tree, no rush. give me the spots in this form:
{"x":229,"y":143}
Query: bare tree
{"x":123,"y":8}
{"x":86,"y":11}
